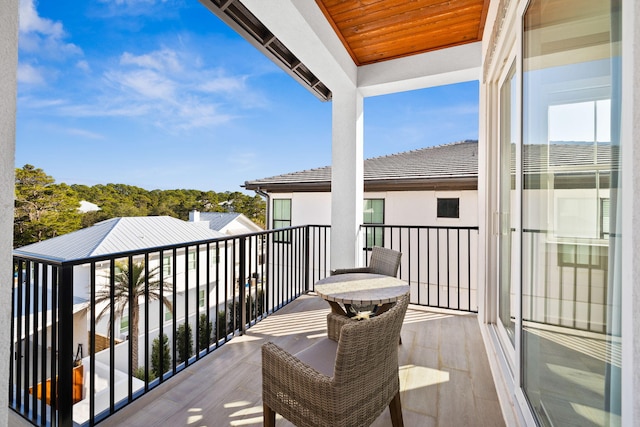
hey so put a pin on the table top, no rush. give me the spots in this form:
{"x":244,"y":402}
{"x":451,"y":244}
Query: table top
{"x":361,"y":288}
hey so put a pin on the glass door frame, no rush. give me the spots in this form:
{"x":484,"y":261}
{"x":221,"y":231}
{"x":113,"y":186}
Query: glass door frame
{"x":510,"y":350}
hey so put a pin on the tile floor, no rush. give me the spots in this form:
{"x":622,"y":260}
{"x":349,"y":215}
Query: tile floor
{"x":444,"y":374}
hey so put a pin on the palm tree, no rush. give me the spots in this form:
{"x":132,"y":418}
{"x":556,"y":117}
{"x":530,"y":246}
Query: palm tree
{"x":140,"y":285}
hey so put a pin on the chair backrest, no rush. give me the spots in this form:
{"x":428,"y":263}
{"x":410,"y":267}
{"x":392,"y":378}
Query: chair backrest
{"x":359,"y":364}
{"x":384,"y":261}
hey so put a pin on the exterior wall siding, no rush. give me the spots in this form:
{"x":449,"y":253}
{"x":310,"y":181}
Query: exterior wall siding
{"x":401,"y":207}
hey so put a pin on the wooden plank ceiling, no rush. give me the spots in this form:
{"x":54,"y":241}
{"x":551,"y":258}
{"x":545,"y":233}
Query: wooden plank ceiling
{"x":379,"y":30}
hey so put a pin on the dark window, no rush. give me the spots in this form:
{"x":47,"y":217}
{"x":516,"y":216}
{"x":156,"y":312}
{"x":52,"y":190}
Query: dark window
{"x":449,"y":208}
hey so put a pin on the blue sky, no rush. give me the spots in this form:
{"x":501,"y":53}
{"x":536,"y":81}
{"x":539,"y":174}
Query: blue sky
{"x":162,"y":94}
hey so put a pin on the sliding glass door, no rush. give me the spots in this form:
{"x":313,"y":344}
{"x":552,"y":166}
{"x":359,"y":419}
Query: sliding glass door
{"x":570,"y":357}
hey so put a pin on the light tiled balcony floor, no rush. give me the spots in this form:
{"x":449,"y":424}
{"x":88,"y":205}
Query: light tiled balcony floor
{"x":444,"y":374}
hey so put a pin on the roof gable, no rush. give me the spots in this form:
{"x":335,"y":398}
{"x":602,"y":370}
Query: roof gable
{"x":218,"y":220}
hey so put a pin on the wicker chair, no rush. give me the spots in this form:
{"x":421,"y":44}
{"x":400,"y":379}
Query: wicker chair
{"x":354,"y":391}
{"x":383,"y":261}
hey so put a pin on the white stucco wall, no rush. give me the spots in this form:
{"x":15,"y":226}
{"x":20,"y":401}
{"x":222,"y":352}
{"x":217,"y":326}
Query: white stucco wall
{"x":401,"y":207}
{"x":8,"y":90}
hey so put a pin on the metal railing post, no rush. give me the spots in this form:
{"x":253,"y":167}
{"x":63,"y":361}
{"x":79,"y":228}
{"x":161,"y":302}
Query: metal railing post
{"x":65,"y":347}
{"x":242,"y":277}
{"x":307,"y":272}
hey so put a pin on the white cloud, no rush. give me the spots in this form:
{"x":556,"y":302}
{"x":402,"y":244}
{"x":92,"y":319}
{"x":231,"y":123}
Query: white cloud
{"x":83,"y":65}
{"x":29,"y":74}
{"x":42,"y":35}
{"x":161,"y":60}
{"x":30,"y":21}
{"x":133,"y":2}
{"x":112,"y":108}
{"x":146,"y":83}
{"x":133,"y":7}
{"x":224,"y":84}
{"x":196,"y":114}
{"x":84,"y":133}
{"x":35,"y":103}
{"x":174,"y":90}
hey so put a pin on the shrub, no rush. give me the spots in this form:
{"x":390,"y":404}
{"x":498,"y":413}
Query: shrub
{"x":205,"y":330}
{"x":155,"y":356}
{"x":184,"y":342}
{"x":221,"y":325}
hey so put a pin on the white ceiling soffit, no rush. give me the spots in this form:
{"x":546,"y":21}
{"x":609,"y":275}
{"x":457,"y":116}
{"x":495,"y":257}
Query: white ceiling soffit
{"x":303,"y":28}
{"x":441,"y":67}
{"x":303,"y":31}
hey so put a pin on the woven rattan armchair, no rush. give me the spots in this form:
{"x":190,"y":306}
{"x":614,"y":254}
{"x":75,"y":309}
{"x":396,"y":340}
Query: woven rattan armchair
{"x":363,"y":380}
{"x":383,"y":261}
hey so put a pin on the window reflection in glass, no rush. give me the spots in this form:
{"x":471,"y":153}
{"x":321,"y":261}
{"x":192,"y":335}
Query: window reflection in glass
{"x":571,"y":358}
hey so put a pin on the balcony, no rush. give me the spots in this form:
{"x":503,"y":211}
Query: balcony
{"x":445,"y":375}
{"x":267,"y":280}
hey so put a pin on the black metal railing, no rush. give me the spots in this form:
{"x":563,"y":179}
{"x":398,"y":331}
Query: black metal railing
{"x":438,"y":262}
{"x":91,"y":335}
{"x":132,"y":320}
{"x":565,"y":281}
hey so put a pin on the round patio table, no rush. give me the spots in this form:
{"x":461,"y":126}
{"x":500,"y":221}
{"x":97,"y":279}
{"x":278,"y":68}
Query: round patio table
{"x":360,"y":289}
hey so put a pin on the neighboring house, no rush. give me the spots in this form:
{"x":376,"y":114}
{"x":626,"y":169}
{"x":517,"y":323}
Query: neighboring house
{"x":183,"y":268}
{"x":437,"y":186}
{"x":430,"y":186}
{"x":229,"y":223}
{"x":119,"y":235}
{"x":88,"y":207}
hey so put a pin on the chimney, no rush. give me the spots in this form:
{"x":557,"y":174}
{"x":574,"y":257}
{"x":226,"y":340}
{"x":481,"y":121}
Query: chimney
{"x":194,"y":216}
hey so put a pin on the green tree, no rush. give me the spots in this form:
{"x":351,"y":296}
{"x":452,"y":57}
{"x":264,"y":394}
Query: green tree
{"x":205,"y":330}
{"x":184,"y":342}
{"x":122,"y":297}
{"x":43,"y":209}
{"x":155,"y":356}
{"x":253,"y":208}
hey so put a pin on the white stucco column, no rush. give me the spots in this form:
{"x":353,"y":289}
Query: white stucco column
{"x":8,"y":93}
{"x":347,"y":188}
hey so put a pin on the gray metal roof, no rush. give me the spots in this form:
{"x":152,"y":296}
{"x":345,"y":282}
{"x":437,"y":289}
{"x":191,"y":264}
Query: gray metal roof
{"x":119,"y":235}
{"x":218,"y":220}
{"x":456,"y":162}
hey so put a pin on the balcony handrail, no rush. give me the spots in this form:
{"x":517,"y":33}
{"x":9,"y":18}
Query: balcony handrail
{"x":243,"y":277}
{"x":139,"y":252}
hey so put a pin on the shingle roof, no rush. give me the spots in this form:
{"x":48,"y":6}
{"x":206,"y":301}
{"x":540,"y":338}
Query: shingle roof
{"x":450,"y":166}
{"x":119,"y":235}
{"x":218,"y":220}
{"x":451,"y":162}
